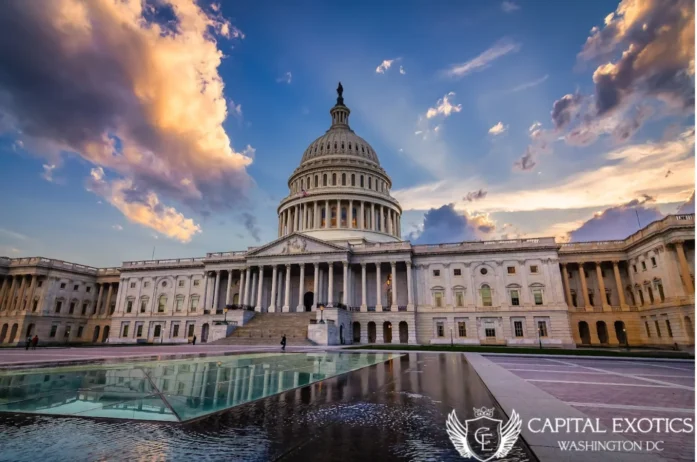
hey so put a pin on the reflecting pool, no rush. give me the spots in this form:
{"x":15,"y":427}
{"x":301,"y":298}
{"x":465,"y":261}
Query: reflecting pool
{"x":392,"y":410}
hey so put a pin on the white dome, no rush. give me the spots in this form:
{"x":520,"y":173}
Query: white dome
{"x":340,"y":141}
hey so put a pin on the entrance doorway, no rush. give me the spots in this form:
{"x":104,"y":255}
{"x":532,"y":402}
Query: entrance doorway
{"x":204,"y":333}
{"x":387,"y":332}
{"x":584,"y":332}
{"x":356,"y":332}
{"x":105,"y":334}
{"x":308,"y":300}
{"x":602,"y":331}
{"x":371,"y":332}
{"x":403,"y":332}
{"x":95,"y":337}
{"x":621,"y":332}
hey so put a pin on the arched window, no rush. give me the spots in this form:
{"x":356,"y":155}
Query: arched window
{"x":302,"y":184}
{"x":161,"y":303}
{"x":333,"y":179}
{"x":362,"y":183}
{"x":324,"y":180}
{"x":332,"y":223}
{"x":370,"y":182}
{"x":648,"y":289}
{"x":353,"y":179}
{"x":316,"y":181}
{"x":343,"y":179}
{"x":485,"y":292}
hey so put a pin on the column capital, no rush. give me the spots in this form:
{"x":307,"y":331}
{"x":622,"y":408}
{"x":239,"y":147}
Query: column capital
{"x":564,"y":264}
{"x":345,"y":263}
{"x":316,"y":265}
{"x":615,"y":262}
{"x":598,"y":263}
{"x":288,"y":265}
{"x":393,"y":263}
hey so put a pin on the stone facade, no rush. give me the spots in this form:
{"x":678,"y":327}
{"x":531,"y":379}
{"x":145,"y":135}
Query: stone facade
{"x":339,"y":247}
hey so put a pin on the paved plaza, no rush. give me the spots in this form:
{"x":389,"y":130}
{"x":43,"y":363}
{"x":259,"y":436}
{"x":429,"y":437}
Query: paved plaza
{"x":607,"y":389}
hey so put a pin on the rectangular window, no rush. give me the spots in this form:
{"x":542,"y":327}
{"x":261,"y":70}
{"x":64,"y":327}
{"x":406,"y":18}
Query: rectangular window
{"x":54,"y":329}
{"x":440,"y":329}
{"x":661,"y":294}
{"x":537,"y":293}
{"x":175,"y":330}
{"x":658,"y":329}
{"x":490,"y":332}
{"x":191,"y":330}
{"x":143,"y":305}
{"x":62,"y":285}
{"x":648,"y":331}
{"x":511,"y":269}
{"x":139,"y":330}
{"x":133,"y":285}
{"x":462,"y":329}
{"x":668,"y":328}
{"x":459,"y":299}
{"x":71,"y":310}
{"x":179,"y":303}
{"x":39,"y":284}
{"x":438,"y":299}
{"x":574,"y":299}
{"x":533,"y":269}
{"x":66,"y":334}
{"x":35,"y":305}
{"x":59,"y":304}
{"x":197,"y":282}
{"x":129,"y":306}
{"x":542,"y":328}
{"x":79,"y":331}
{"x":161,"y":304}
{"x":653,"y":262}
{"x":84,"y":308}
{"x":146,"y":284}
{"x":643,"y":266}
{"x":76,"y":287}
{"x":457,"y":272}
{"x":486,"y":296}
{"x":88,"y":289}
{"x":125,"y":331}
{"x":180,"y":388}
{"x":518,"y":328}
{"x":181,"y":283}
{"x":515,"y":298}
{"x":194,"y":303}
{"x":634,"y":267}
{"x":436,"y":273}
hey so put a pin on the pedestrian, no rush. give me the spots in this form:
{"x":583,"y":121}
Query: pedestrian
{"x":194,"y":340}
{"x":28,"y":342}
{"x":283,"y":343}
{"x":34,"y":342}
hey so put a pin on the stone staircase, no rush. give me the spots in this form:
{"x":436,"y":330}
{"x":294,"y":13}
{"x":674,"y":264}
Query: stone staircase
{"x":268,"y":328}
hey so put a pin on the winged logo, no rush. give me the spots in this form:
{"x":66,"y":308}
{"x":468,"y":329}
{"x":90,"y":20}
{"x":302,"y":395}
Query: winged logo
{"x":483,"y":438}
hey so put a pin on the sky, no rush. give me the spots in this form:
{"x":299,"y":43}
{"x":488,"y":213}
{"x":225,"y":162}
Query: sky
{"x":167,"y":129}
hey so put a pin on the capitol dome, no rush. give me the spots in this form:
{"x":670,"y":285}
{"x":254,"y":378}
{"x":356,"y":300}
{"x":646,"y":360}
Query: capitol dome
{"x":339,"y":192}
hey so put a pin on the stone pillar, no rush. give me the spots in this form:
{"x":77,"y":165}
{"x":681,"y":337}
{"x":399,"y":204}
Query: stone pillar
{"x":362,"y":222}
{"x":3,"y":289}
{"x":327,"y":217}
{"x":315,"y":219}
{"x":338,"y":213}
{"x":298,"y":222}
{"x":260,"y":289}
{"x":22,"y":291}
{"x":9,"y":297}
{"x":286,"y":298}
{"x":567,"y":288}
{"x":684,"y":268}
{"x":280,"y":291}
{"x":274,"y":276}
{"x":301,"y":289}
{"x":350,"y":214}
{"x":228,"y":291}
{"x":393,"y":264}
{"x":389,"y":221}
{"x":345,"y":300}
{"x":584,"y":287}
{"x":216,"y":290}
{"x":315,"y":288}
{"x":108,"y":298}
{"x":410,"y":295}
{"x":252,"y":290}
{"x":240,"y":297}
{"x":98,"y":307}
{"x":378,"y":288}
{"x":618,"y":283}
{"x":330,"y":289}
{"x":601,"y":287}
{"x":364,"y":293}
{"x":372,"y":216}
{"x":247,"y":281}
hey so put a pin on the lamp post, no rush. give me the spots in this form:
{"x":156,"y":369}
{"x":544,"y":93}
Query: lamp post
{"x":626,"y":338}
{"x":451,"y":337}
{"x":225,"y":318}
{"x":321,"y":314}
{"x":539,"y":335}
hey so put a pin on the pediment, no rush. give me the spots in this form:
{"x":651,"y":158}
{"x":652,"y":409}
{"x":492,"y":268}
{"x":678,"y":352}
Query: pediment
{"x":295,"y":244}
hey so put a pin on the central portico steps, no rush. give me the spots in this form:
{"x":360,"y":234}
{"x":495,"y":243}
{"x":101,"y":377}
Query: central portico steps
{"x":268,"y":328}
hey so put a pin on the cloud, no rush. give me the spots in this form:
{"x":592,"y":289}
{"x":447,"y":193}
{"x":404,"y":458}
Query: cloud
{"x":526,"y":85}
{"x":384,"y":66}
{"x":688,"y":206}
{"x":13,"y":235}
{"x":443,"y":107}
{"x":401,"y":70}
{"x":250,"y":223}
{"x":135,"y":94}
{"x":445,"y":224}
{"x":48,"y":172}
{"x":235,"y":109}
{"x":509,"y":7}
{"x":474,"y":195}
{"x":498,"y":129}
{"x":635,"y":169}
{"x":285,"y":78}
{"x":117,"y":227}
{"x":142,"y":207}
{"x":482,"y":61}
{"x":617,"y":222}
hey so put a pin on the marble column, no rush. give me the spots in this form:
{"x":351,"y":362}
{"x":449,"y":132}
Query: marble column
{"x":108,"y":298}
{"x":393,"y":264}
{"x":684,"y":268}
{"x":618,"y":283}
{"x":601,"y":287}
{"x":338,"y":213}
{"x":240,"y":297}
{"x":247,"y":285}
{"x":228,"y":291}
{"x":253,"y":291}
{"x":410,"y":287}
{"x":364,"y":293}
{"x":315,"y":289}
{"x":260,"y":290}
{"x":216,"y":290}
{"x":330,"y":289}
{"x":274,"y":277}
{"x":345,"y":300}
{"x":389,"y":221}
{"x":286,"y":298}
{"x":10,"y":295}
{"x":315,"y":219}
{"x":584,"y":287}
{"x":350,"y":214}
{"x":327,"y":215}
{"x":567,"y":287}
{"x":301,"y":289}
{"x":362,"y":222}
{"x":372,"y":216}
{"x":22,"y":290}
{"x":98,"y":307}
{"x":378,"y":288}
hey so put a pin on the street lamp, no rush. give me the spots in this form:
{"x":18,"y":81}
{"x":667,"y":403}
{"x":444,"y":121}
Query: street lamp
{"x":626,"y":338}
{"x":539,"y":335}
{"x":321,"y":314}
{"x":225,"y":318}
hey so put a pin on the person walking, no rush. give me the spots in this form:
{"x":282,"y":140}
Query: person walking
{"x":34,"y":342}
{"x":283,"y":343}
{"x":193,"y":342}
{"x":28,"y":342}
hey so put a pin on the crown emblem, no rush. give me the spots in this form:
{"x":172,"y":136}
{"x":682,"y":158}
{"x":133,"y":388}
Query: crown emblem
{"x":483,"y":412}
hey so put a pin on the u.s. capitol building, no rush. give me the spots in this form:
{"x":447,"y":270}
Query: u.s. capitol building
{"x":339,"y":254}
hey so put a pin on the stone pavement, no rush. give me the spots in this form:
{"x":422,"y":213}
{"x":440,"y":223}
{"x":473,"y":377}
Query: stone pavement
{"x":607,"y":389}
